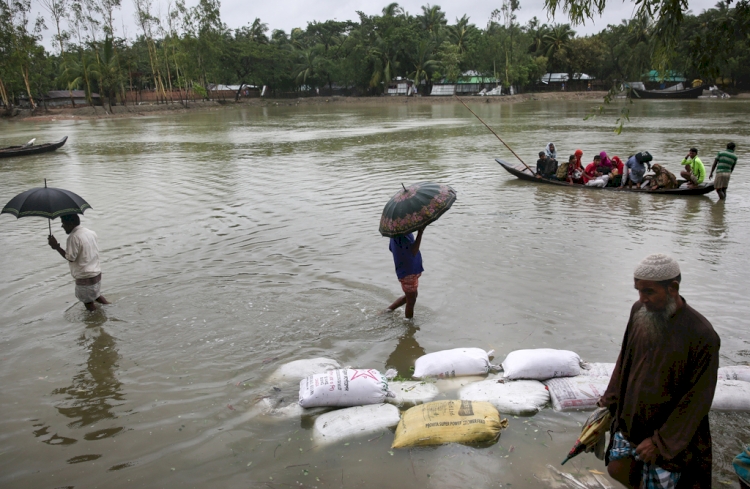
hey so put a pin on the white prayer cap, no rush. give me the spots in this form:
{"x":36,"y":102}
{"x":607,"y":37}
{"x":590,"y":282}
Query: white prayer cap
{"x":657,"y":267}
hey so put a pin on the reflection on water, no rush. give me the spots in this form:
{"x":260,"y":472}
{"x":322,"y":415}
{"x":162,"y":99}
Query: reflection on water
{"x":95,"y":390}
{"x":406,"y":352}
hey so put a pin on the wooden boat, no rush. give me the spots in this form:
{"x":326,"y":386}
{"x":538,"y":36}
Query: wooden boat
{"x":524,"y":174}
{"x":31,"y":149}
{"x":662,"y":94}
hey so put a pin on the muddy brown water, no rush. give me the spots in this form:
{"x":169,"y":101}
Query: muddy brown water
{"x":234,"y":241}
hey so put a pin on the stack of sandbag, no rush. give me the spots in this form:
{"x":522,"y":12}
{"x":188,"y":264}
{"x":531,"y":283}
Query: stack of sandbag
{"x":737,"y":372}
{"x":340,"y":424}
{"x":344,"y":388}
{"x":299,"y":369}
{"x":411,"y":392}
{"x":439,"y":422}
{"x":541,"y":364}
{"x":520,"y":397}
{"x":453,"y":363}
{"x":732,"y":389}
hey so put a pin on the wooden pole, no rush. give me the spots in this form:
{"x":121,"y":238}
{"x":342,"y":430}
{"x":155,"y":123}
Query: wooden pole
{"x":493,"y":132}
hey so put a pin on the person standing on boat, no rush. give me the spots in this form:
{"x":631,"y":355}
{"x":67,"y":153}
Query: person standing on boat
{"x":694,"y":171}
{"x":82,"y":252}
{"x":724,"y":166}
{"x":662,"y":386}
{"x":634,"y":170}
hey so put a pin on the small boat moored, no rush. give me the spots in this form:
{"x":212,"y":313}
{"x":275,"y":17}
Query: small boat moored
{"x":524,"y":174}
{"x":30,"y":148}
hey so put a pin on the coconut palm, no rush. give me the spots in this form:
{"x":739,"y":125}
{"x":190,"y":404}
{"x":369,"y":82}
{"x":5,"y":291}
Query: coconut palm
{"x":424,"y":63}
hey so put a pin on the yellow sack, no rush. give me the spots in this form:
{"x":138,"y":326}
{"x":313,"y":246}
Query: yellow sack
{"x":439,"y":422}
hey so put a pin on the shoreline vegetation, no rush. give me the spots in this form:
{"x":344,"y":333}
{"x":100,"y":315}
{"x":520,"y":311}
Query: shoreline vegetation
{"x":144,"y":109}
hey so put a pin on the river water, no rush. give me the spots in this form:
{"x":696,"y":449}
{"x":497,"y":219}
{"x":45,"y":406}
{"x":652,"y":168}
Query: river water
{"x":234,"y":241}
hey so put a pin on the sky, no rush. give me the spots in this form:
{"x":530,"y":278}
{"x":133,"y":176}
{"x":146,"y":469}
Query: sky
{"x":288,"y":14}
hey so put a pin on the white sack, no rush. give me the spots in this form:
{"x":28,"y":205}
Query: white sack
{"x":521,"y":397}
{"x":598,"y":369}
{"x":343,"y":388}
{"x":541,"y":364}
{"x":411,"y":393}
{"x":361,"y":420}
{"x":299,"y":369}
{"x":738,"y":372}
{"x":453,"y":363}
{"x":293,"y":410}
{"x":731,"y":395}
{"x":582,"y":392}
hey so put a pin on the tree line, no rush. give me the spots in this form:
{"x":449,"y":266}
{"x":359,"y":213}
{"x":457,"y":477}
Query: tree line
{"x":187,"y":49}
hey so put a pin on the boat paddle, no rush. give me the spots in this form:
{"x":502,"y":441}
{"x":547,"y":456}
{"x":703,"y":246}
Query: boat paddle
{"x":493,"y":132}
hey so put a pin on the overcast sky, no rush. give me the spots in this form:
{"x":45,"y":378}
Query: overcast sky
{"x":288,"y":14}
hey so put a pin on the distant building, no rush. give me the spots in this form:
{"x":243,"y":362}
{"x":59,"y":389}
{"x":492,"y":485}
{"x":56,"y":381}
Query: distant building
{"x":401,"y":86}
{"x":468,"y":83}
{"x":564,"y":77}
{"x":60,"y":98}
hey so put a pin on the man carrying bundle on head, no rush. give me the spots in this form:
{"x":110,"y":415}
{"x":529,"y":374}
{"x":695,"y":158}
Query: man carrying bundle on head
{"x":662,"y":387}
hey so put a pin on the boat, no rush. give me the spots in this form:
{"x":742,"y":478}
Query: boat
{"x":30,"y":148}
{"x":662,"y":94}
{"x":525,"y":174}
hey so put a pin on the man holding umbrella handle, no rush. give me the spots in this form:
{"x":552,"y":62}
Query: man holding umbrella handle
{"x":408,"y":262}
{"x":82,"y":253}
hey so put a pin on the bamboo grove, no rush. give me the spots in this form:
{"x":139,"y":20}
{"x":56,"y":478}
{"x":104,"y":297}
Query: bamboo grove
{"x":188,"y":48}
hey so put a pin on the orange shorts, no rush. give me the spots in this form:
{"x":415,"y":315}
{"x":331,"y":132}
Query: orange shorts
{"x":410,"y":283}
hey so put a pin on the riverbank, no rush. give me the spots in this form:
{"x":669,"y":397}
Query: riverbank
{"x":120,"y":111}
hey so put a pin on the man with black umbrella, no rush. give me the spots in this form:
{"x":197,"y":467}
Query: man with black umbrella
{"x":82,"y":252}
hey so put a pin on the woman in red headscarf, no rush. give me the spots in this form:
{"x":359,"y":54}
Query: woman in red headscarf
{"x":575,"y":169}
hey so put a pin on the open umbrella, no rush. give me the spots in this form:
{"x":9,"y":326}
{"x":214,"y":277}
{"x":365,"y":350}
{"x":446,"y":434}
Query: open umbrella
{"x":414,"y":207}
{"x":592,"y":435}
{"x":46,"y":202}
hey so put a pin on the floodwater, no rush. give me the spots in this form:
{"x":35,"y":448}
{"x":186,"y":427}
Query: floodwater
{"x":234,"y":241}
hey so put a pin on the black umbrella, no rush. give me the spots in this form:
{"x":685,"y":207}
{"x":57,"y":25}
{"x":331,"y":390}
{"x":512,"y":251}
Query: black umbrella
{"x":46,"y":202}
{"x":414,"y":207}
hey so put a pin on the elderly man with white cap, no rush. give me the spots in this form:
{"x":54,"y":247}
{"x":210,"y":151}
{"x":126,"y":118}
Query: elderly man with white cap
{"x":662,"y":386}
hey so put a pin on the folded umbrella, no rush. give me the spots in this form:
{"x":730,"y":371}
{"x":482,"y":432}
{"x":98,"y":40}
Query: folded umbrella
{"x":592,"y":435}
{"x":46,"y":202}
{"x":415,"y":207}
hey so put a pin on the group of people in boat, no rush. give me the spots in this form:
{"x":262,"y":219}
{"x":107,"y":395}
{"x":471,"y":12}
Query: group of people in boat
{"x":606,"y":171}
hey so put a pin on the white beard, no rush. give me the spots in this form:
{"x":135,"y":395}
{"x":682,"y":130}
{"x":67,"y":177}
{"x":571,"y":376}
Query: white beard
{"x":655,"y":323}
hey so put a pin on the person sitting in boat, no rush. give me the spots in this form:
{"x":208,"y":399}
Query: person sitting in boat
{"x":546,"y":167}
{"x":605,"y":164}
{"x":661,"y":179}
{"x":635,"y":169}
{"x":575,"y":169}
{"x":550,"y":151}
{"x":615,"y":178}
{"x":694,"y":171}
{"x":592,"y":176}
{"x":562,"y":170}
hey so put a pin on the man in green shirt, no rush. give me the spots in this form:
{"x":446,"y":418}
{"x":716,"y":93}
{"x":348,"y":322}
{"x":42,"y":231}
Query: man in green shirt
{"x":724,"y":166}
{"x":694,"y":171}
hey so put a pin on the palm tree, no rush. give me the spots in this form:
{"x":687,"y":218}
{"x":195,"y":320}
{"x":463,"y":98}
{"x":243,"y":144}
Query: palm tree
{"x":555,"y":41}
{"x":432,"y":19}
{"x":461,"y":33}
{"x":424,"y":63}
{"x":392,"y":10}
{"x":306,"y":66}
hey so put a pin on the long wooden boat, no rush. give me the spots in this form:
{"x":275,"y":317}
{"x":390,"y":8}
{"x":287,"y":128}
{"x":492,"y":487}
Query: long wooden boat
{"x":663,"y":94}
{"x":524,"y":174}
{"x":32,"y":149}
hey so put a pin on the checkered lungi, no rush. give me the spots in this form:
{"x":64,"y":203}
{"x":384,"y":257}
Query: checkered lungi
{"x":722,"y":180}
{"x":654,"y":477}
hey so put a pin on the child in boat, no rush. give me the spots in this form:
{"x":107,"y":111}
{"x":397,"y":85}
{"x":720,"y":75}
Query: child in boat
{"x":408,"y":261}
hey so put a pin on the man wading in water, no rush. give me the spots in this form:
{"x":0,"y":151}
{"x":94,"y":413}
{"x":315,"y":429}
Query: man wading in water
{"x":662,"y":387}
{"x":82,"y":252}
